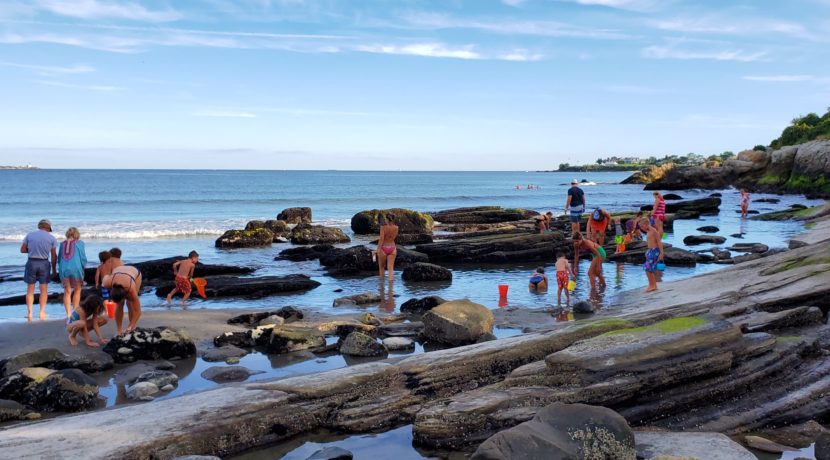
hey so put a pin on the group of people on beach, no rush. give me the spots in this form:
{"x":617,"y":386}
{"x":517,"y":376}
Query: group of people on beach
{"x":592,"y":242}
{"x":114,"y":282}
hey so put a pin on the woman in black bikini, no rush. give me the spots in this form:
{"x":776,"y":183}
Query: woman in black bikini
{"x":125,"y":284}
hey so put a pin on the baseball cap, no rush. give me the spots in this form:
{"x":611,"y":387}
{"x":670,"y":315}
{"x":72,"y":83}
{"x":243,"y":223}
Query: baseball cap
{"x":45,"y":223}
{"x":574,"y":181}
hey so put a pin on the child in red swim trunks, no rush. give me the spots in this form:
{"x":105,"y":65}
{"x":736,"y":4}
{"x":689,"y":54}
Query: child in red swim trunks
{"x":563,"y":267}
{"x":183,"y":270}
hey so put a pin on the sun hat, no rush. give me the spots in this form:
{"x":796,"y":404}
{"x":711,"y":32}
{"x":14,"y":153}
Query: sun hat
{"x":574,"y":181}
{"x":44,"y":223}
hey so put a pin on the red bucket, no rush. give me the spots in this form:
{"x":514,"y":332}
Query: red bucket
{"x":110,"y":306}
{"x":503,"y":290}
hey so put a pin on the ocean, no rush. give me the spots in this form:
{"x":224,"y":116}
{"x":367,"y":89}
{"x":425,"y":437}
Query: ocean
{"x":152,"y":214}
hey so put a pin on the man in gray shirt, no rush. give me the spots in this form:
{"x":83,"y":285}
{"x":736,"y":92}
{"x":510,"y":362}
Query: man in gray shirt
{"x":40,"y":245}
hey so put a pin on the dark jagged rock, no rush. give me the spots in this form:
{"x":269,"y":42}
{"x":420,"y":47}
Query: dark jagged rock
{"x":635,"y":253}
{"x":716,"y":195}
{"x":708,"y":229}
{"x":426,"y":272}
{"x":305,"y":252}
{"x":672,"y":197}
{"x":710,"y":205}
{"x":767,"y":200}
{"x":10,"y":410}
{"x":757,"y":248}
{"x":289,"y":314}
{"x":457,"y":322}
{"x":91,"y":362}
{"x":822,"y":448}
{"x":67,"y":390}
{"x":158,"y":378}
{"x":225,"y":374}
{"x":284,"y":339}
{"x":421,"y":305}
{"x":358,"y":259}
{"x":411,"y":329}
{"x":278,"y":227}
{"x":317,"y":234}
{"x":510,"y":248}
{"x":295,"y":215}
{"x":409,"y":222}
{"x":162,"y":269}
{"x":231,"y":286}
{"x":245,"y":238}
{"x":703,"y":239}
{"x":151,"y":344}
{"x":52,"y":358}
{"x":583,"y":307}
{"x":360,"y":344}
{"x":563,"y":431}
{"x":365,"y":298}
{"x":482,"y":215}
{"x":223,"y":353}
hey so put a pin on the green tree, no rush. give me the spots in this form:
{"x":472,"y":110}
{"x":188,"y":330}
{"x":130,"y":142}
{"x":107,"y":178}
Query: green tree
{"x":599,"y":161}
{"x":759,"y":148}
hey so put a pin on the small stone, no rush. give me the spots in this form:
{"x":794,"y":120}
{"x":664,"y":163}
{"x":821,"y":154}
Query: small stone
{"x":273,"y":319}
{"x":167,"y":387}
{"x":757,"y":442}
{"x":165,"y":366}
{"x":223,"y":374}
{"x":224,"y":352}
{"x":583,"y":307}
{"x":398,"y":343}
{"x":33,"y":416}
{"x":142,"y":390}
{"x":232,"y":360}
{"x":124,"y":351}
{"x":331,"y":453}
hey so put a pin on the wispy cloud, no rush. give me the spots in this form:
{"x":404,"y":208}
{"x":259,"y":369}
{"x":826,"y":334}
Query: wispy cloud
{"x":438,"y":50}
{"x":513,"y":27}
{"x":685,"y":49}
{"x":59,"y":84}
{"x":786,"y":78}
{"x":94,"y":9}
{"x":222,"y":114}
{"x":521,"y":55}
{"x":717,"y":25}
{"x":45,"y":70}
{"x":633,"y":5}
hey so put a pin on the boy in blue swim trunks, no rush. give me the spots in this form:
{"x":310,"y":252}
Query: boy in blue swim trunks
{"x":654,"y":254}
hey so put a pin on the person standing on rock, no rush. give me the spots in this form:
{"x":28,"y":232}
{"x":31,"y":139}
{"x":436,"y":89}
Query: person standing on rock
{"x":39,"y":245}
{"x":124,"y":285}
{"x":744,"y":202}
{"x":658,"y":212}
{"x":597,"y":253}
{"x":576,"y":205}
{"x":71,"y":263}
{"x":387,"y":249}
{"x":654,"y":254}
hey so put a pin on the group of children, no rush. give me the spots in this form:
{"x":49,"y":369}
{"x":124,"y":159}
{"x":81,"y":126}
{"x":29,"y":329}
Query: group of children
{"x":90,"y":314}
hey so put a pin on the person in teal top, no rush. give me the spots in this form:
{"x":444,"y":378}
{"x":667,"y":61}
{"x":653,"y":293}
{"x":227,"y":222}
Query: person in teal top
{"x":71,"y":263}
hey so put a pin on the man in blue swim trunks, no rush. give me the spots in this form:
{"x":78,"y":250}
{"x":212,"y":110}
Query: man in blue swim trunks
{"x":39,"y":245}
{"x":654,"y":254}
{"x":576,"y":205}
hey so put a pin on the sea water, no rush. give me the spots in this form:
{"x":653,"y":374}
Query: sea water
{"x":151,"y":214}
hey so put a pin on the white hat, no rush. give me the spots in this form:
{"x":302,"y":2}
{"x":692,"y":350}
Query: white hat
{"x":574,"y":181}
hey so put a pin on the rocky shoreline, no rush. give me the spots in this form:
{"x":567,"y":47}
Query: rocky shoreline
{"x":684,"y":359}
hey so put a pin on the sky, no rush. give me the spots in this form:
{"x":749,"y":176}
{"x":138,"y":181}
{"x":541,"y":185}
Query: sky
{"x":401,"y":84}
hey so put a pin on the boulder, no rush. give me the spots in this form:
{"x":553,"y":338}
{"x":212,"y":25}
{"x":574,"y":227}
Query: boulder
{"x":358,"y":259}
{"x":691,"y":178}
{"x":43,"y":357}
{"x":278,"y":227}
{"x":289,"y":314}
{"x":763,"y":444}
{"x":457,"y":322}
{"x":151,"y":344}
{"x":421,"y":305}
{"x":245,"y":238}
{"x":482,"y":215}
{"x":811,"y":168}
{"x":10,"y":410}
{"x":800,"y":435}
{"x":93,"y":361}
{"x":305,"y":252}
{"x":317,"y":234}
{"x":577,"y":431}
{"x":498,"y":248}
{"x":422,"y":271}
{"x":583,"y":307}
{"x":672,"y":197}
{"x":360,"y":344}
{"x":331,"y":453}
{"x":398,"y":343}
{"x":409,"y":222}
{"x":411,"y":329}
{"x":708,"y":229}
{"x":67,"y":390}
{"x":703,"y":239}
{"x":273,"y":320}
{"x":285,"y":339}
{"x":252,"y":288}
{"x":688,"y":445}
{"x":142,"y":391}
{"x":225,"y":374}
{"x":366,"y":298}
{"x":822,"y":447}
{"x":128,"y":375}
{"x":648,"y":175}
{"x":709,"y":205}
{"x":755,"y":248}
{"x":295,"y":215}
{"x":158,"y":378}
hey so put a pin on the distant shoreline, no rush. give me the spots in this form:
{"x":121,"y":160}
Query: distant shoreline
{"x":19,"y":167}
{"x":599,"y":168}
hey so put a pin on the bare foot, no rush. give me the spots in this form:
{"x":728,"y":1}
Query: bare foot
{"x":29,"y":317}
{"x":91,"y":344}
{"x":651,"y":289}
{"x":119,"y":332}
{"x":43,"y":315}
{"x":169,"y":299}
{"x":73,"y":341}
{"x":104,"y":341}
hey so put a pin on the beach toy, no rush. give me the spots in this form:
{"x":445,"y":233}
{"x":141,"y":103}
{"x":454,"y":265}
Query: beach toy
{"x":661,"y":266}
{"x":620,"y":248}
{"x":571,"y":285}
{"x":503,"y":290}
{"x":618,"y":239}
{"x":664,"y":236}
{"x":110,"y":306}
{"x":200,"y":284}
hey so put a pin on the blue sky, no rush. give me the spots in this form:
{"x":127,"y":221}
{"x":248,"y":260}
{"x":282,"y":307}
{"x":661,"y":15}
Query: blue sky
{"x":401,"y":84}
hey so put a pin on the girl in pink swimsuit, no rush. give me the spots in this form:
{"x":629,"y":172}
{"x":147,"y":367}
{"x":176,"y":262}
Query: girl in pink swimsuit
{"x":659,"y":212}
{"x":744,"y":202}
{"x":387,"y":250}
